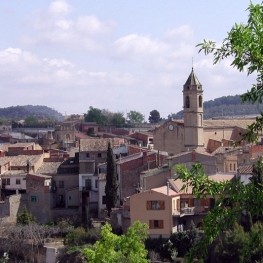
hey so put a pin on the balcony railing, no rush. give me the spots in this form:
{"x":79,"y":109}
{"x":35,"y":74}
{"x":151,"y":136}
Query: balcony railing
{"x":191,"y":210}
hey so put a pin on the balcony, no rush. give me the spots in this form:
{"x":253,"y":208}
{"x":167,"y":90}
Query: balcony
{"x":193,"y":210}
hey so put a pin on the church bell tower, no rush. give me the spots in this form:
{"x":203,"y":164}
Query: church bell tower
{"x":193,"y":113}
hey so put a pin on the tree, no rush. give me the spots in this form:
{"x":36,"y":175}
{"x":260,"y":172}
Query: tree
{"x":135,"y":117}
{"x":95,"y":115}
{"x":111,"y":248}
{"x":233,"y":200}
{"x":111,"y":181}
{"x":25,"y":218}
{"x":244,"y":46}
{"x":117,"y":119}
{"x":154,"y":116}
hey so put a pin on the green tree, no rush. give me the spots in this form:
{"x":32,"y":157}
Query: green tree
{"x":233,"y":199}
{"x":244,"y":46}
{"x":31,"y":121}
{"x":25,"y":218}
{"x":117,"y":119}
{"x":111,"y":186}
{"x":135,"y":117}
{"x":111,"y":248}
{"x":95,"y":115}
{"x":154,"y":116}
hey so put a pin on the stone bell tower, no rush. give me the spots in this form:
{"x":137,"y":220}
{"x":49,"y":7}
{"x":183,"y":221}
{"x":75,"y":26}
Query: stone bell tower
{"x":193,"y":113}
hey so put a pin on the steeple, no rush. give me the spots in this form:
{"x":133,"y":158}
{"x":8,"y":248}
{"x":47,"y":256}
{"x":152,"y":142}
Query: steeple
{"x":193,"y":113}
{"x":192,"y":82}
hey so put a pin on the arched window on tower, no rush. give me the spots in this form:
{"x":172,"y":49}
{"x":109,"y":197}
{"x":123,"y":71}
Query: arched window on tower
{"x":200,"y":101}
{"x":187,"y":102}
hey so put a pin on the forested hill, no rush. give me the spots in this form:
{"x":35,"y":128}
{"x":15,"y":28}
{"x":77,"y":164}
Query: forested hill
{"x":227,"y":106}
{"x":22,"y":112}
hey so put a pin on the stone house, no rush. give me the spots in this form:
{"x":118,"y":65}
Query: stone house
{"x":92,"y":154}
{"x":130,"y":167}
{"x":40,"y":198}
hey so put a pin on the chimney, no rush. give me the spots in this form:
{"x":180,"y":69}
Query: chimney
{"x":168,"y":187}
{"x":27,"y":166}
{"x":144,"y":157}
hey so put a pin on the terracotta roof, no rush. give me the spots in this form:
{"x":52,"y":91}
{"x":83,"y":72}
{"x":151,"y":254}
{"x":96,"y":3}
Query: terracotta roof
{"x":221,"y":177}
{"x":100,"y":144}
{"x":48,"y":168}
{"x":164,"y":190}
{"x":21,"y":160}
{"x":242,"y":123}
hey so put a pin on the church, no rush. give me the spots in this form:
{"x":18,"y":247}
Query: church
{"x":193,"y":132}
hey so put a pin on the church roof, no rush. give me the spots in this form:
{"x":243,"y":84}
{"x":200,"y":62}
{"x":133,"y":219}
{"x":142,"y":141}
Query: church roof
{"x":192,"y":80}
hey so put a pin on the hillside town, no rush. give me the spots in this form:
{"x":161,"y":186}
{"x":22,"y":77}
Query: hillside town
{"x":62,"y":173}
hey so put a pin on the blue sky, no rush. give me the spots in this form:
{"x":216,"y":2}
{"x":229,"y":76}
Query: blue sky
{"x":119,"y":55}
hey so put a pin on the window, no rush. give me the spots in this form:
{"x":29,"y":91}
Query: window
{"x":88,"y":184}
{"x":155,"y":205}
{"x":96,"y":183}
{"x":104,"y":199}
{"x":87,"y":155}
{"x":33,"y":198}
{"x":99,"y":155}
{"x":200,"y":101}
{"x":153,"y":224}
{"x":18,"y":181}
{"x":61,"y":184}
{"x":187,"y":102}
{"x":6,"y":181}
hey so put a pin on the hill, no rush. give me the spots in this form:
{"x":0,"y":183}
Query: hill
{"x":226,"y":106}
{"x":22,"y":112}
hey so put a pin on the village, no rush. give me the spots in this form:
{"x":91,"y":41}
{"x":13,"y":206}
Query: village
{"x":63,"y":173}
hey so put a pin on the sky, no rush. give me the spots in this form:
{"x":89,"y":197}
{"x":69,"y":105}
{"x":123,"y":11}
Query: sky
{"x":118,"y":55}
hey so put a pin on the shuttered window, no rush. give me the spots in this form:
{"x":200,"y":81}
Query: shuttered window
{"x":155,"y":205}
{"x":153,"y":224}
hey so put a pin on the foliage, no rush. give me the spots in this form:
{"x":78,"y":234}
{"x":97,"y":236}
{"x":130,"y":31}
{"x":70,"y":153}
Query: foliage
{"x":233,"y":199}
{"x":22,"y":112}
{"x":111,"y":181}
{"x":4,"y":258}
{"x":78,"y":236}
{"x":25,"y":218}
{"x":111,"y":248}
{"x":154,"y":116}
{"x":117,"y":119}
{"x":244,"y":46}
{"x":95,"y":115}
{"x":236,"y":245}
{"x":135,"y":117}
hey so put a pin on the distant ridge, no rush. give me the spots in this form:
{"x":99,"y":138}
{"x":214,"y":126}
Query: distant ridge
{"x":226,"y":107}
{"x":22,"y":112}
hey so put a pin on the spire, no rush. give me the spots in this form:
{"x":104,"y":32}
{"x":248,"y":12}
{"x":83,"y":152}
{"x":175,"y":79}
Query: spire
{"x":192,"y":80}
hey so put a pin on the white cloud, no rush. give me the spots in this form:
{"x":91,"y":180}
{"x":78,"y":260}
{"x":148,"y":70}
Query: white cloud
{"x":137,"y":45}
{"x":59,"y":7}
{"x":183,"y":32}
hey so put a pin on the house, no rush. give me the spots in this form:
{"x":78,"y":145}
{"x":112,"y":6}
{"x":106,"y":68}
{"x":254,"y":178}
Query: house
{"x":14,"y":172}
{"x":92,"y":154}
{"x":40,"y":197}
{"x":168,"y":209}
{"x":130,"y":167}
{"x":209,"y":162}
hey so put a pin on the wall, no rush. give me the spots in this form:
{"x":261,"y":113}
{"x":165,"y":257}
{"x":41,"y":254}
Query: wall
{"x":138,"y":211}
